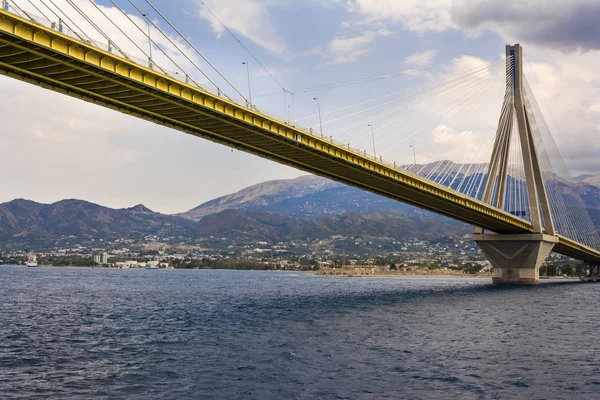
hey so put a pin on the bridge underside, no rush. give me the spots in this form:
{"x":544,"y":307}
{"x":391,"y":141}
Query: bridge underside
{"x":46,"y":58}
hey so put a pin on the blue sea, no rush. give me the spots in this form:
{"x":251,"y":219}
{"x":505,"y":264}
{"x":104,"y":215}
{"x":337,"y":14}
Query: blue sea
{"x":75,"y":333}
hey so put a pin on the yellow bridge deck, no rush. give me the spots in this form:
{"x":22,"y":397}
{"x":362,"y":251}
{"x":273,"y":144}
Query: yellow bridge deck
{"x":44,"y":57}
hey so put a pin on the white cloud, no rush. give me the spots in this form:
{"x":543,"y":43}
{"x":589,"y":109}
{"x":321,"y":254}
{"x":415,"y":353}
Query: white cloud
{"x":421,"y":58}
{"x":249,"y":18}
{"x":565,"y":24}
{"x":57,"y":147}
{"x":415,"y":15}
{"x":458,"y":147}
{"x":348,"y":49}
{"x":566,"y":89}
{"x":466,"y":64}
{"x":471,"y":66}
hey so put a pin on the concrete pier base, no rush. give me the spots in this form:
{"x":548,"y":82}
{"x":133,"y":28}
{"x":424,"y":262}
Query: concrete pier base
{"x":516,"y":258}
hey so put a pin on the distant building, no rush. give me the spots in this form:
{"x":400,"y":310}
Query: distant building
{"x":128,"y":264}
{"x":101,"y":258}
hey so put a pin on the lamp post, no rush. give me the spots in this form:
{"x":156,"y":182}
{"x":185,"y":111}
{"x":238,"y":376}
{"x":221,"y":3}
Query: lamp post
{"x":319,"y":109}
{"x":149,"y":41}
{"x":373,"y":137}
{"x":249,"y":88}
{"x":414,"y":154}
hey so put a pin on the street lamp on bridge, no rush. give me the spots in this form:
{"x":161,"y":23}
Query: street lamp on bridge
{"x":373,"y":137}
{"x":145,"y":15}
{"x":319,"y":110}
{"x":249,"y":88}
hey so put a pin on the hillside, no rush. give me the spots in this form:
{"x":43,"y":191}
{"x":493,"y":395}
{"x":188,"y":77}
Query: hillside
{"x":268,"y":226}
{"x":592,"y":180}
{"x":248,"y":225}
{"x":27,"y":223}
{"x":383,"y":224}
{"x":307,"y":197}
{"x":263,"y":195}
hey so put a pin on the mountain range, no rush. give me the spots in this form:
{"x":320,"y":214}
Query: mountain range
{"x":27,"y":224}
{"x":307,"y":207}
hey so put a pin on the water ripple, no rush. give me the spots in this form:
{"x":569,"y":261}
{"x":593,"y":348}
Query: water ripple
{"x":136,"y":334}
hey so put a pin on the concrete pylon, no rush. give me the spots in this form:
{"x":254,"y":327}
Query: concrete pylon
{"x":517,"y":258}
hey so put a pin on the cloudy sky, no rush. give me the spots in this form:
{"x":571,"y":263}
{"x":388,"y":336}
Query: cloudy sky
{"x":55,"y":147}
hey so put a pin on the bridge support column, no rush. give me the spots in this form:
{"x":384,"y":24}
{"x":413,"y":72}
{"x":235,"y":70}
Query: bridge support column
{"x":516,"y":258}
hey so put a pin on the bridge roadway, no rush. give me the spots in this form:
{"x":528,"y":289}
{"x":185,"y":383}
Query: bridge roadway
{"x":44,"y":57}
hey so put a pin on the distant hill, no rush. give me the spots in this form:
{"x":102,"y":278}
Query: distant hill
{"x":581,"y":178}
{"x":384,"y":223}
{"x":307,"y":197}
{"x":248,"y":225}
{"x":592,"y":180}
{"x":262,"y":196}
{"x":29,"y":223}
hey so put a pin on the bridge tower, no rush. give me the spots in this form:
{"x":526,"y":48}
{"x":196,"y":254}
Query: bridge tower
{"x":517,"y":258}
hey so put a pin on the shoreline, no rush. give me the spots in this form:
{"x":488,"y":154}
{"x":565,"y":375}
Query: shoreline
{"x":552,"y":278}
{"x":453,"y":276}
{"x":306,"y":273}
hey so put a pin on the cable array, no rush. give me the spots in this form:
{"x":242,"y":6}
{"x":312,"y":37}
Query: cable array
{"x":517,"y":198}
{"x":571,"y":217}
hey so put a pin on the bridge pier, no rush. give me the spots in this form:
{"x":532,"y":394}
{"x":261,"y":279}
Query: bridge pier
{"x":516,"y":258}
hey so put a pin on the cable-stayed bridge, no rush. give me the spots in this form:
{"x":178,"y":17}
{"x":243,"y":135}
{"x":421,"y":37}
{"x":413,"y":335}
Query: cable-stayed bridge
{"x":511,"y":185}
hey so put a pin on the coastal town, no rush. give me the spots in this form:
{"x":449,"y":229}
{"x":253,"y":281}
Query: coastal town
{"x":330,"y":255}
